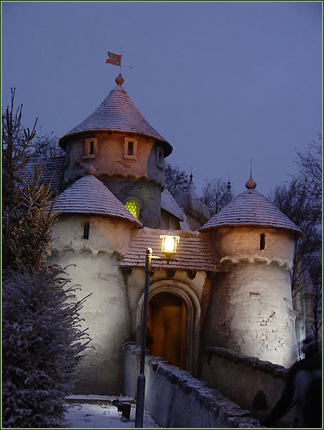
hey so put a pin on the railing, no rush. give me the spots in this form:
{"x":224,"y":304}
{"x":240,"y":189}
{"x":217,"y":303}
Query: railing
{"x":175,"y":399}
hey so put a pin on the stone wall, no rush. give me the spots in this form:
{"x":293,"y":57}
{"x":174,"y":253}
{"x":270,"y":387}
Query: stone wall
{"x":253,"y":384}
{"x":175,"y":399}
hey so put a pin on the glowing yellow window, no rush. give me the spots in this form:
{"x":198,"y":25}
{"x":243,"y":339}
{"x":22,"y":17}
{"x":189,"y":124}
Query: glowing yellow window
{"x":133,"y":207}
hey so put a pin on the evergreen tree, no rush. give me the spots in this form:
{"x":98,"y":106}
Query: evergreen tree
{"x":42,"y":340}
{"x":41,"y":347}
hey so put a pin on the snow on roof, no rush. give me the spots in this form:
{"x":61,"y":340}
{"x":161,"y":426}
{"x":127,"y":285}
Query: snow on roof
{"x":169,"y":204}
{"x":89,"y":195}
{"x":251,"y":208}
{"x":194,"y":251}
{"x":117,"y":113}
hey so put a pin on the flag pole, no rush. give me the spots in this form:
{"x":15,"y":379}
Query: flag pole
{"x":121,"y":53}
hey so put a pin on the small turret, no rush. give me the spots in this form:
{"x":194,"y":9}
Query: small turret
{"x":253,"y":304}
{"x":196,"y":211}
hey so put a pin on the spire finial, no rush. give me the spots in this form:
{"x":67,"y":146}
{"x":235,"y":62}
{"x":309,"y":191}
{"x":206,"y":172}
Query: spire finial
{"x":191,"y":186}
{"x":250,"y":183}
{"x":191,"y":176}
{"x":228,"y":196}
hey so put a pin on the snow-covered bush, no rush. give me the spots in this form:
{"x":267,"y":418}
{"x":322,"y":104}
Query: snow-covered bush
{"x":42,"y":342}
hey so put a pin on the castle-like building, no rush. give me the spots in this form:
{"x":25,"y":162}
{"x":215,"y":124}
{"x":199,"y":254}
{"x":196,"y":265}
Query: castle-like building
{"x":229,"y":285}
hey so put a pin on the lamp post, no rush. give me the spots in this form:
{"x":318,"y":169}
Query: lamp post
{"x":169,"y":247}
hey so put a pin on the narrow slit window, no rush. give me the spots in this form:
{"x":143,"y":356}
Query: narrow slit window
{"x":130,"y":150}
{"x":86,"y":230}
{"x":262,"y":241}
{"x":90,"y":148}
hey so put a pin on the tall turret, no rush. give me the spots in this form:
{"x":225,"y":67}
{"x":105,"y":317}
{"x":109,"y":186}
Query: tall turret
{"x":251,"y":309}
{"x":126,"y":152}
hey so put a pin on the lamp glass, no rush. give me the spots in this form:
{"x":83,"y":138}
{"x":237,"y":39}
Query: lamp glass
{"x":169,"y":244}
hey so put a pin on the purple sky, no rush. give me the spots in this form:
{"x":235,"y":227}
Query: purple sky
{"x":223,"y":82}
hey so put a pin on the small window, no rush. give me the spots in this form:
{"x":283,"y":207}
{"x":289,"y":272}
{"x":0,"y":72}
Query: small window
{"x":133,"y":207}
{"x":86,"y":230}
{"x":130,"y":148}
{"x":262,"y":241}
{"x":90,"y":148}
{"x":160,"y":157}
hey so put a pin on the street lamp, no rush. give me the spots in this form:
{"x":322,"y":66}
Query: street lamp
{"x":169,"y":244}
{"x":169,"y":248}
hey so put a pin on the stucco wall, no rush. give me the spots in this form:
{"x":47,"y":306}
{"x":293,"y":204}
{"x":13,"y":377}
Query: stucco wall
{"x":105,"y":234}
{"x":253,"y":384}
{"x":243,"y":243}
{"x":110,"y":161}
{"x":251,"y":312}
{"x":177,"y":400}
{"x":140,"y":177}
{"x":92,"y":264}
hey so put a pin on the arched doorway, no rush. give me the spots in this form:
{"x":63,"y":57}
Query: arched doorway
{"x":167,"y":328}
{"x":180,"y":293}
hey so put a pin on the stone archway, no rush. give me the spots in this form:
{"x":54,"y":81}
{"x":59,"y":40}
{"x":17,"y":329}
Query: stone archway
{"x":173,"y":322}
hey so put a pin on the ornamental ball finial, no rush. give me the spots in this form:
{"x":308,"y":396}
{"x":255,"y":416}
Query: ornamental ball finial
{"x":119,"y":80}
{"x":250,"y":184}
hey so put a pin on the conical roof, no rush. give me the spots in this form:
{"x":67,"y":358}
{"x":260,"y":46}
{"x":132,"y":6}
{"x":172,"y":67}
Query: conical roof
{"x":251,"y":208}
{"x":90,"y":196}
{"x":117,"y":113}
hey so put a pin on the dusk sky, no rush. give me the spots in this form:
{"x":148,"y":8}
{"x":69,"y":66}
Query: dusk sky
{"x":223,"y":82}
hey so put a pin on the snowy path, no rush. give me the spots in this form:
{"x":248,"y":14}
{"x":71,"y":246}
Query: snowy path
{"x":97,"y":412}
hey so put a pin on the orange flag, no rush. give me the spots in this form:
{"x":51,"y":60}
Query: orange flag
{"x":114,"y":59}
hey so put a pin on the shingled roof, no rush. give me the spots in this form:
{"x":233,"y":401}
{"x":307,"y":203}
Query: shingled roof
{"x":193,"y":252}
{"x":251,"y":208}
{"x":169,"y":204}
{"x":52,"y":171}
{"x":90,"y":196}
{"x":117,"y":113}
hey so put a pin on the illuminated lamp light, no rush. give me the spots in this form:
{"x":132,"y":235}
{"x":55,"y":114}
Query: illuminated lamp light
{"x":169,"y":245}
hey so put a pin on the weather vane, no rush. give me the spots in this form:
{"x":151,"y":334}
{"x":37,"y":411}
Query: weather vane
{"x":115,"y":59}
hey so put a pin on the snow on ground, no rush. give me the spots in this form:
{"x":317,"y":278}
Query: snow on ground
{"x":98,"y":412}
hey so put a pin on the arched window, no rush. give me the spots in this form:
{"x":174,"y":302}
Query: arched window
{"x":90,"y":148}
{"x":133,"y":207}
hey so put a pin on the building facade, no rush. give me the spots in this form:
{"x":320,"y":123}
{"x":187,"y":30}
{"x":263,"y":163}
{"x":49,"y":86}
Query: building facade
{"x":229,"y":285}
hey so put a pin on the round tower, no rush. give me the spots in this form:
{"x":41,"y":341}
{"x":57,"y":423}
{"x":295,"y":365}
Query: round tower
{"x":92,"y":233}
{"x":126,"y":151}
{"x":251,"y":309}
